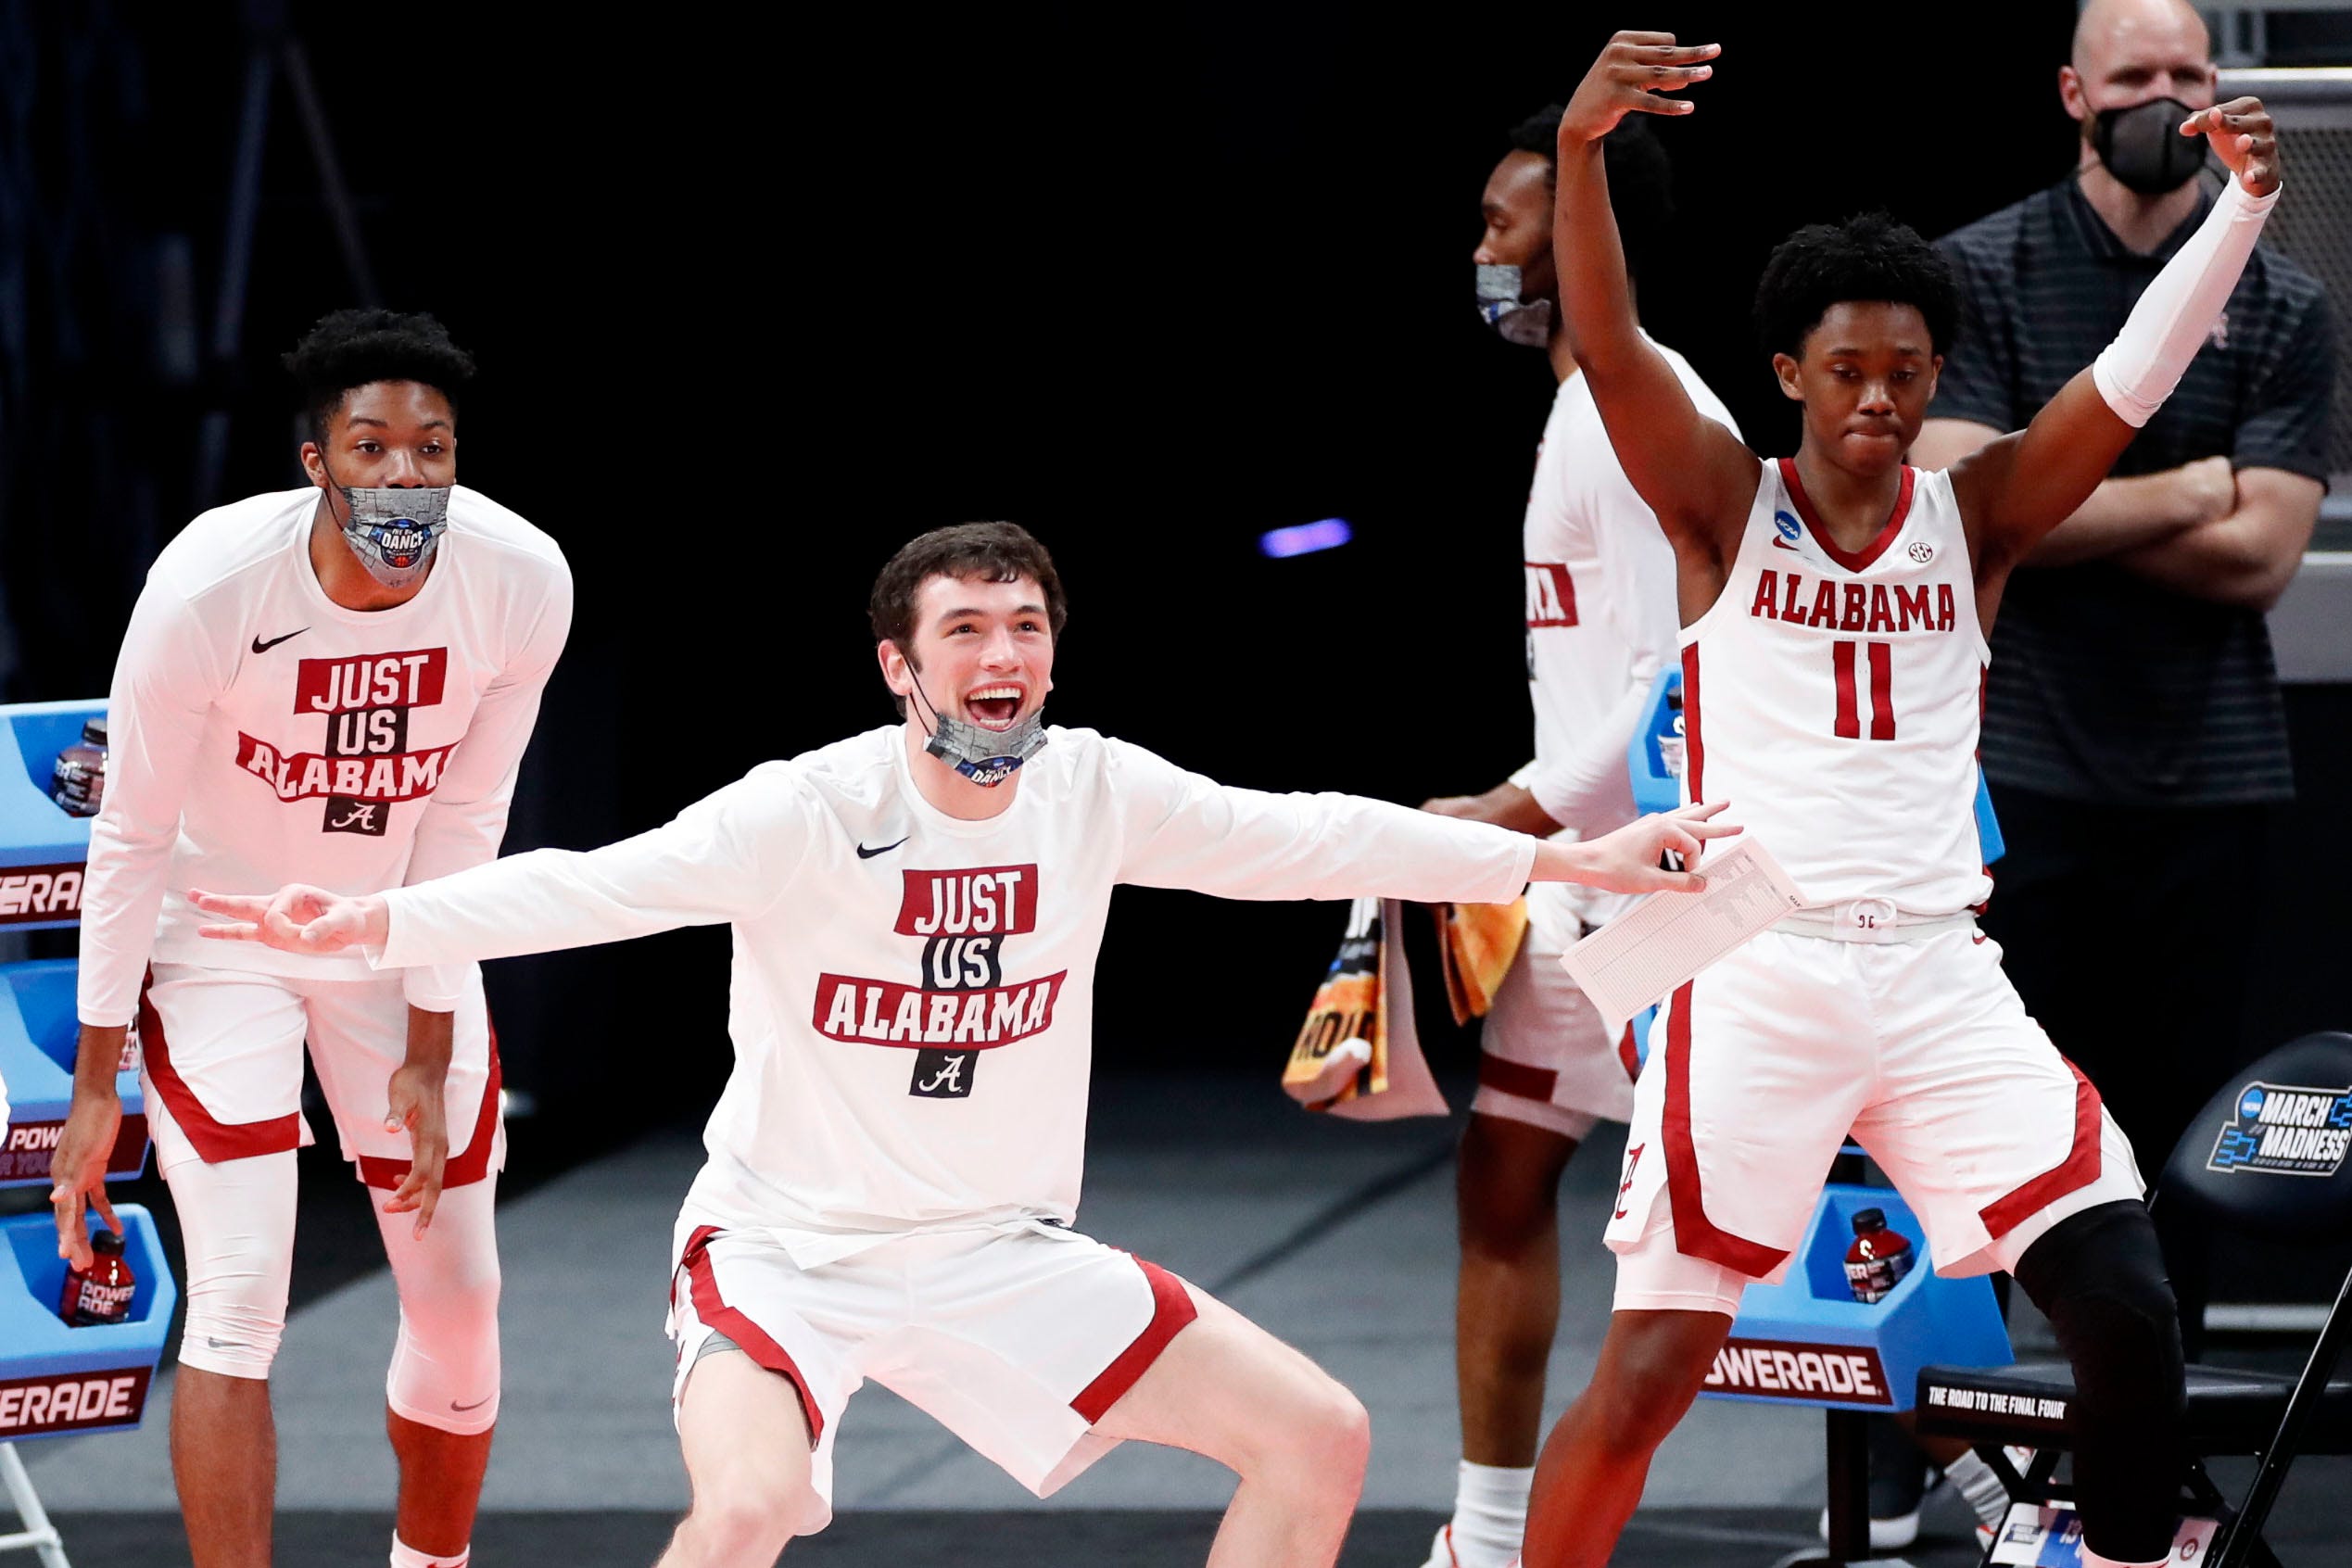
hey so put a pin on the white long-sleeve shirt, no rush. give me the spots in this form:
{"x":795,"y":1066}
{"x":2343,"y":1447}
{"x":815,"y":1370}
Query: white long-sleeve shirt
{"x":912,"y":1007}
{"x":258,"y":734}
{"x":1602,"y":623}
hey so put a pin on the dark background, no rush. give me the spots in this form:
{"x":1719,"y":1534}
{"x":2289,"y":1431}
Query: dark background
{"x":757,"y":300}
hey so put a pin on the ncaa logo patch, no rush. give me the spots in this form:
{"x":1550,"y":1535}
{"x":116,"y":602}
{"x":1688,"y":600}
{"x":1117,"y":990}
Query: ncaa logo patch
{"x":2286,"y":1130}
{"x":1787,"y":525}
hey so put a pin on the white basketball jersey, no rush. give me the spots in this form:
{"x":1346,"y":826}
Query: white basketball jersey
{"x":1833,"y":699}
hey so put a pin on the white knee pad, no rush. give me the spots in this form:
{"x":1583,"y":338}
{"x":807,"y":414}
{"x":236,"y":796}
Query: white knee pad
{"x":445,"y":1367}
{"x":236,"y":1220}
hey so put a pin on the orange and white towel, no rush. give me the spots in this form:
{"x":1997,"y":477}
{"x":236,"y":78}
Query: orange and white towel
{"x":1359,"y":1054}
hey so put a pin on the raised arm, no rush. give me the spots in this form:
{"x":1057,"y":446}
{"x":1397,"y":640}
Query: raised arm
{"x":1695,"y":474}
{"x":2014,"y":490}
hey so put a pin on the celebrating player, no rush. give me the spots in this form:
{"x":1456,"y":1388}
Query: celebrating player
{"x":894,"y":1163}
{"x":1601,"y":625}
{"x":1834,"y":607}
{"x":337,"y":683}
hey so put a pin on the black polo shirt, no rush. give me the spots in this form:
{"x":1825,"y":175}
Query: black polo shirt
{"x":2105,"y":686}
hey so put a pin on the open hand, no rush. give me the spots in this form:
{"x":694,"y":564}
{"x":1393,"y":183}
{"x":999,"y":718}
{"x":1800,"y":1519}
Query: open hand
{"x":295,"y":918}
{"x":2242,"y":137}
{"x":1634,"y":69}
{"x":413,"y":1102}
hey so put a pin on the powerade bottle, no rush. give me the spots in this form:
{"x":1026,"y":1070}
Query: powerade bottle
{"x":102,"y":1297}
{"x":79,"y":782}
{"x":1878,"y":1258}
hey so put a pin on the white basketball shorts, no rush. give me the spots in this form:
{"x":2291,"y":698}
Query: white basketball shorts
{"x":1015,"y":1340}
{"x":222,"y":1060}
{"x":1761,"y":1066}
{"x":1546,"y":1056}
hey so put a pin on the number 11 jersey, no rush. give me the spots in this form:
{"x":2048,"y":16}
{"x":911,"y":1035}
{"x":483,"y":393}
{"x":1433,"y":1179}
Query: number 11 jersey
{"x":1833,"y":697}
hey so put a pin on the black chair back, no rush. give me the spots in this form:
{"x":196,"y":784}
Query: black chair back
{"x":2267,"y":1156}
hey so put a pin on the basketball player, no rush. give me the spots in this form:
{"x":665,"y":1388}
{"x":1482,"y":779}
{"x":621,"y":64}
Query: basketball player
{"x":894,"y":1164}
{"x":1834,"y":607}
{"x":334,"y":682}
{"x":1601,"y":625}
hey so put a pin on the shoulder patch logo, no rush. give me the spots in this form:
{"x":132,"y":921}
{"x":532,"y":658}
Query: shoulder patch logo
{"x":1788,"y":527}
{"x":1923,"y":552}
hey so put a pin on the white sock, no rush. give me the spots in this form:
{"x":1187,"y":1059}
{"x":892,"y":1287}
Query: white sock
{"x":1980,"y":1488}
{"x":1491,"y":1513}
{"x":407,"y":1556}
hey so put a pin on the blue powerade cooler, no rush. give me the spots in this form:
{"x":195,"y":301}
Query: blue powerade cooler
{"x":55,"y":1379}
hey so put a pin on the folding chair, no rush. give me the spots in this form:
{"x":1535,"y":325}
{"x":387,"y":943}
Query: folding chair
{"x":2265,"y":1158}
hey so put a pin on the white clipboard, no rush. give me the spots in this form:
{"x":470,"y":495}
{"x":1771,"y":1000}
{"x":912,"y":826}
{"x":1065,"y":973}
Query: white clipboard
{"x":1641,"y":956}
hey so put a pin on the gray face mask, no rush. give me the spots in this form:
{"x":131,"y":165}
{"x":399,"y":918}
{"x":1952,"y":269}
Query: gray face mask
{"x":987,"y":757}
{"x":394,"y":532}
{"x":1524,"y":322}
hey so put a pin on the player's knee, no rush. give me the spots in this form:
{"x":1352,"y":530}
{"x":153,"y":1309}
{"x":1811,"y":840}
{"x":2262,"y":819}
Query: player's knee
{"x":746,"y":1523}
{"x":2098,"y":1276}
{"x":446,"y":1362}
{"x":1503,"y":1160}
{"x":1321,"y":1443}
{"x":232,"y":1337}
{"x":1650,"y":1372}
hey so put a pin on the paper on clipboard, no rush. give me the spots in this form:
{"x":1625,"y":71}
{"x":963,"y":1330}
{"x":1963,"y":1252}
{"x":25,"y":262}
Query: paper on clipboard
{"x":1640,"y":957}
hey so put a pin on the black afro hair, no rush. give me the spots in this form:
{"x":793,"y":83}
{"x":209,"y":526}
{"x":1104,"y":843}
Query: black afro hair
{"x":1641,"y":177}
{"x":351,"y":348}
{"x":1866,"y":258}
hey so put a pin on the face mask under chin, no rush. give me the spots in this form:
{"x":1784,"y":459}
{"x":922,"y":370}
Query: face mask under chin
{"x":2142,"y":147}
{"x":1524,"y":322}
{"x":987,"y":757}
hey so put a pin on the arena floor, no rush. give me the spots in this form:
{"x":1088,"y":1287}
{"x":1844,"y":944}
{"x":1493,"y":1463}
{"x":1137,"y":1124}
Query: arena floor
{"x":1204,"y":1176}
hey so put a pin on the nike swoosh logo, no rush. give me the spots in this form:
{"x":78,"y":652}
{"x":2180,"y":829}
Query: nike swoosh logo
{"x":261,"y":647}
{"x":865,"y":854}
{"x":221,"y":1344}
{"x":475,"y":1406}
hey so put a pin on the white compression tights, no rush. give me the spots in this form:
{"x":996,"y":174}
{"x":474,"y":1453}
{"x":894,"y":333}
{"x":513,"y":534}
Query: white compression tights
{"x":238,"y":1218}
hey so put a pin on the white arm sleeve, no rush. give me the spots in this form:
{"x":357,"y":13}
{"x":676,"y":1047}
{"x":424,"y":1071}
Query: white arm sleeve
{"x":1186,"y":832}
{"x":2138,"y":370}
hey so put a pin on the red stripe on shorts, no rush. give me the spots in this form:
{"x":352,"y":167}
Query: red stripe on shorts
{"x":749,"y":1337}
{"x":1694,"y":751}
{"x":1517,"y":1078}
{"x":467,"y":1167}
{"x":1628,"y":1054}
{"x":1695,"y":1236}
{"x":1172,"y":1310}
{"x":213,"y":1140}
{"x":2081,"y":1168}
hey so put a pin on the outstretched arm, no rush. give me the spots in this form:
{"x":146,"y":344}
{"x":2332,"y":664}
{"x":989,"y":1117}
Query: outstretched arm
{"x":1695,"y":474}
{"x":1181,"y":831}
{"x":726,"y":857}
{"x":2014,"y":490}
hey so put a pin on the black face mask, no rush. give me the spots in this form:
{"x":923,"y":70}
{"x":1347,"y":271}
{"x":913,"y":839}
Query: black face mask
{"x":2143,"y":145}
